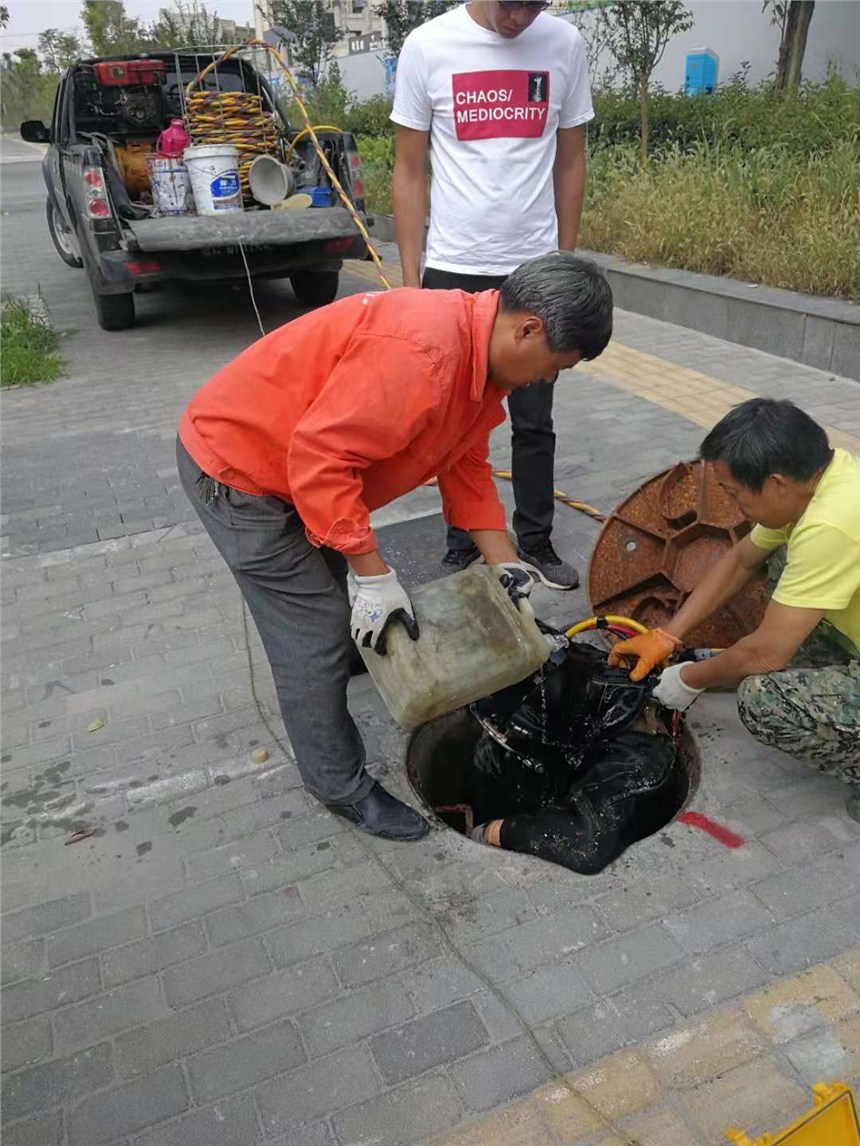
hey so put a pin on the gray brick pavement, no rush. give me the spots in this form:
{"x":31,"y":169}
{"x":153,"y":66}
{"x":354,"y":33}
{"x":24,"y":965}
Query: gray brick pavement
{"x":162,"y":1041}
{"x":354,"y":1016}
{"x":169,"y":977}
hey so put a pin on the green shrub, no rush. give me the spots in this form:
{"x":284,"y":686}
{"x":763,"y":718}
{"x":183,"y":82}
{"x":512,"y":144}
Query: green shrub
{"x":370,"y":117}
{"x":808,"y":122}
{"x":377,"y":157}
{"x":29,"y":343}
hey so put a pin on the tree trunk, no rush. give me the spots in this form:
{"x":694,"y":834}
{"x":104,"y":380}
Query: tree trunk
{"x":643,"y":118}
{"x":793,"y":46}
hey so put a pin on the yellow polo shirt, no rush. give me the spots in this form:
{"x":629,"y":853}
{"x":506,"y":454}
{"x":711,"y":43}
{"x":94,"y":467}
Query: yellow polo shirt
{"x":822,"y":569}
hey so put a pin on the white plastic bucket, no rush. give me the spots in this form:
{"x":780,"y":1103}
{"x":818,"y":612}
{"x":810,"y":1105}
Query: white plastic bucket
{"x":214,"y":172}
{"x":171,"y":188}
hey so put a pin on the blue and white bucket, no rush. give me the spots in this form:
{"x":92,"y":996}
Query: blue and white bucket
{"x":171,"y":189}
{"x":214,"y":172}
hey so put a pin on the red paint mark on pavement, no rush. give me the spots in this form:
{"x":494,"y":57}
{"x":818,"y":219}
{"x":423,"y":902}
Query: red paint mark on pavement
{"x":720,"y":833}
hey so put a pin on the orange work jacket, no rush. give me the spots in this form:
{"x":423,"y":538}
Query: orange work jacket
{"x":353,"y":405}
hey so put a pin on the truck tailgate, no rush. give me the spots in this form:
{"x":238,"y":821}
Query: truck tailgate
{"x":251,"y":228}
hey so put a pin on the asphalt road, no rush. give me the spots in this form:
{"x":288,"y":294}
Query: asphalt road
{"x":170,"y":320}
{"x":108,"y":464}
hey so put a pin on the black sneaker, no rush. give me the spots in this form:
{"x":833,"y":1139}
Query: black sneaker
{"x":545,"y":563}
{"x":456,"y":560}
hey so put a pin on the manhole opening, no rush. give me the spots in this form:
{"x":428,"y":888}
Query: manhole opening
{"x":442,"y":770}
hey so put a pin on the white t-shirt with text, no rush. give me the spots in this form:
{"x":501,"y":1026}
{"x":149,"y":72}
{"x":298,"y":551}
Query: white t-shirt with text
{"x":492,"y":107}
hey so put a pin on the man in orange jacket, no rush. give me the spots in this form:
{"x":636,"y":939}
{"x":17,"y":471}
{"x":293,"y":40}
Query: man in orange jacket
{"x":285,"y":452}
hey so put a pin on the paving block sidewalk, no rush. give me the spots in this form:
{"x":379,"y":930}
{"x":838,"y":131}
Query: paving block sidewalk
{"x":222,"y":962}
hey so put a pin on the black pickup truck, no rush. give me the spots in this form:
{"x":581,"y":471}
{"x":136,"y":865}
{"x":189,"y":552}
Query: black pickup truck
{"x":99,"y":216}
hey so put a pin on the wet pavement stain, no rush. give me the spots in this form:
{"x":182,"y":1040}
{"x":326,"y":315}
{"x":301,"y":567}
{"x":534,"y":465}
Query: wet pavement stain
{"x":181,"y":816}
{"x":121,"y":826}
{"x":143,"y":848}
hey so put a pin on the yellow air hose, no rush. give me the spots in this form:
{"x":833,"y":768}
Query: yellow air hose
{"x":602,"y":622}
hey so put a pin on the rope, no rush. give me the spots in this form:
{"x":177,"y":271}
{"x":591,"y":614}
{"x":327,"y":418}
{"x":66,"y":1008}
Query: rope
{"x":236,"y":118}
{"x":561,"y":496}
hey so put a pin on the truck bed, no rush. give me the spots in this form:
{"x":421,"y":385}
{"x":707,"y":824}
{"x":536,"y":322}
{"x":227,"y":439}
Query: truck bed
{"x":251,"y":228}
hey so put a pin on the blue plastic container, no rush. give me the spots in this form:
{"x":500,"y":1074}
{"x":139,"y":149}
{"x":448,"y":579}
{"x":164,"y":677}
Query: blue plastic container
{"x":321,"y":196}
{"x":701,"y":71}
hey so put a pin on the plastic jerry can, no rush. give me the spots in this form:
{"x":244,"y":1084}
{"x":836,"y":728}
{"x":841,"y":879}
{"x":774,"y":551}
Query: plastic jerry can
{"x":473,"y":641}
{"x":173,"y":140}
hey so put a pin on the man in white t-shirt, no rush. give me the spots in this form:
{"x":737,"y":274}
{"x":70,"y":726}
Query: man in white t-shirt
{"x":498,"y":93}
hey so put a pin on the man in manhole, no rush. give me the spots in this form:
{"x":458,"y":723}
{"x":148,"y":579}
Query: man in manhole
{"x":287,"y":449}
{"x":798,"y":674}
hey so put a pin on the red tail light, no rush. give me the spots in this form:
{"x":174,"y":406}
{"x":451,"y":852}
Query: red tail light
{"x":356,"y":175}
{"x":338,"y":246}
{"x":143,"y":266}
{"x":98,"y":204}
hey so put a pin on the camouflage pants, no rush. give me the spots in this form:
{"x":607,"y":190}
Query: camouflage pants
{"x":811,"y":713}
{"x":811,"y":710}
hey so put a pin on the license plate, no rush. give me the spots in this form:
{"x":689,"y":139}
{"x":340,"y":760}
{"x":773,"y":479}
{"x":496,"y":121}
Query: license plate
{"x":216,"y":252}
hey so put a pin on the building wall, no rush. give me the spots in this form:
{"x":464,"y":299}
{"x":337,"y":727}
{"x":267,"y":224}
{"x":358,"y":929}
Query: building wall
{"x":737,"y":30}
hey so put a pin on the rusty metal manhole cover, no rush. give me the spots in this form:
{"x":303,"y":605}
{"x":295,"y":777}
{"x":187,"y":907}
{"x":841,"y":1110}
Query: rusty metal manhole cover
{"x":655,"y":547}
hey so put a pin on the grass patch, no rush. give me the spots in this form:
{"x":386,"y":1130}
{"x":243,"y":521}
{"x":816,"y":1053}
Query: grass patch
{"x":767,"y":216}
{"x":30,"y":345}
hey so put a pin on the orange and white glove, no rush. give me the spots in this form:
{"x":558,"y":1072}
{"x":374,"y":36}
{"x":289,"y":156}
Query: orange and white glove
{"x":647,"y":649}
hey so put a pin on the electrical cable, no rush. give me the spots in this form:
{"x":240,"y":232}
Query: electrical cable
{"x":372,"y":854}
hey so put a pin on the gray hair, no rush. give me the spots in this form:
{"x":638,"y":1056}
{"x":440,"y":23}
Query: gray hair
{"x":570,"y":295}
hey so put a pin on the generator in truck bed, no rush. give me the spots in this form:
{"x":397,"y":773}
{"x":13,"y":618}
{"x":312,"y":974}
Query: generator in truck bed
{"x":108,"y":115}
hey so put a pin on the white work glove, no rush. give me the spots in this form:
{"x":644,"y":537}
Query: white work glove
{"x":515,"y":578}
{"x":380,"y":600}
{"x":672,"y":692}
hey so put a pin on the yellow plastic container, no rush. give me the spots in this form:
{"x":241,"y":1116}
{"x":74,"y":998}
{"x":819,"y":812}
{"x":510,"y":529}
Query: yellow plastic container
{"x":833,"y":1121}
{"x":474,"y":641}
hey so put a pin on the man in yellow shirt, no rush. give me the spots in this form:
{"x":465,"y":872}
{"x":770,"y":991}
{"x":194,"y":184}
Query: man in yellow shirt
{"x":777,"y":464}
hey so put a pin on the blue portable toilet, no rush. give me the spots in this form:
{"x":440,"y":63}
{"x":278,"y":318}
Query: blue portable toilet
{"x":700,"y":72}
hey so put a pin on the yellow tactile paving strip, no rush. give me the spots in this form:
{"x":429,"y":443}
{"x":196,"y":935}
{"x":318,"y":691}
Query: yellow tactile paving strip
{"x":700,"y":398}
{"x":688,"y":1085}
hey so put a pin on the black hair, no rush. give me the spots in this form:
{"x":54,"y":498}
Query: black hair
{"x":570,"y":295}
{"x":767,"y":436}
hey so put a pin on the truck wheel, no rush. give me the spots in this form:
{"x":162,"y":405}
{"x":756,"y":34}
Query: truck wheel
{"x":65,"y":241}
{"x":114,"y":311}
{"x":315,"y":288}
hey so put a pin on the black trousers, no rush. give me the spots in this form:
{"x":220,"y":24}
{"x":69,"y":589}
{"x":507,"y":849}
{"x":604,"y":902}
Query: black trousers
{"x":532,"y":436}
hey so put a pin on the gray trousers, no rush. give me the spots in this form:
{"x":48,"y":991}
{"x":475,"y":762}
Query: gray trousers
{"x":297,"y":596}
